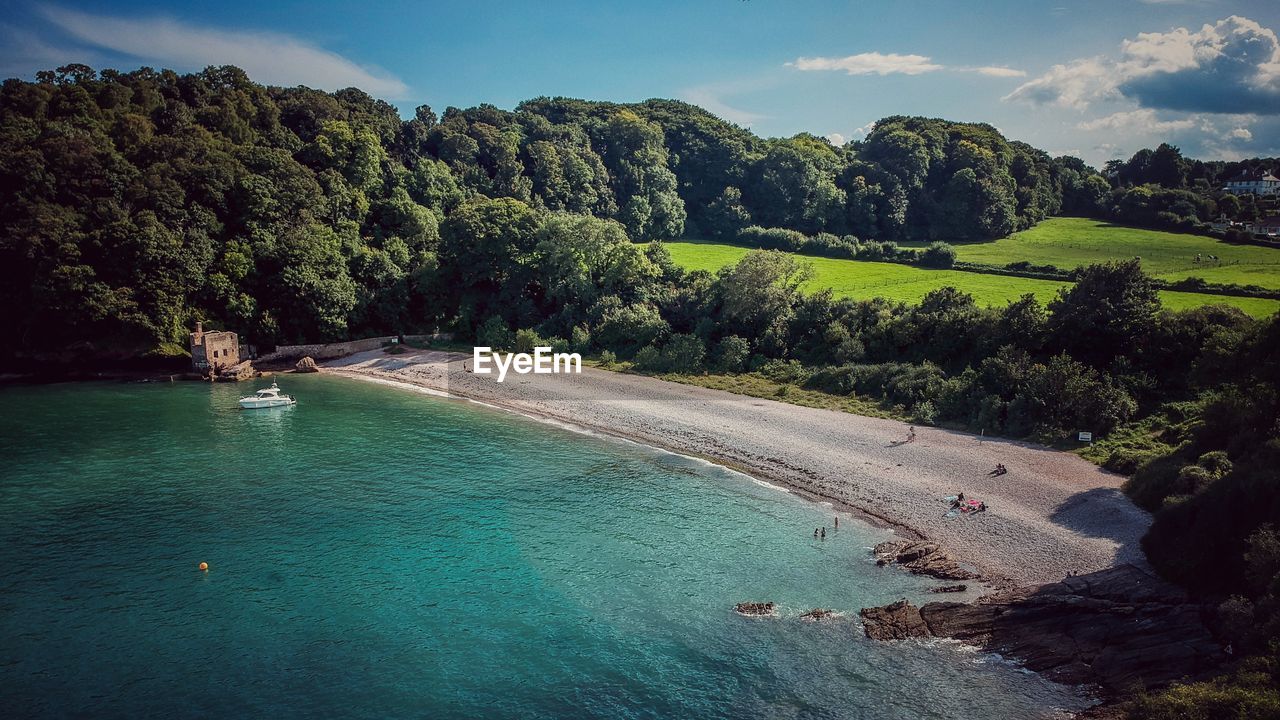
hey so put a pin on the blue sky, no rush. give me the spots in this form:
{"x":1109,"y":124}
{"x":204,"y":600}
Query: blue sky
{"x":1094,"y":78}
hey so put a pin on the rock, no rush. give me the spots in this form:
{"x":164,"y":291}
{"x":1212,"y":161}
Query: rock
{"x":306,"y":365}
{"x":754,"y":609}
{"x":817,"y":614}
{"x":1120,"y":628}
{"x":949,"y":588}
{"x":243,"y":370}
{"x":922,"y":558}
{"x":895,"y":621}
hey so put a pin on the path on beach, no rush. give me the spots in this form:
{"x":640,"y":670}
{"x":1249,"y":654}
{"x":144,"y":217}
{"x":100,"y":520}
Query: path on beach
{"x":1053,"y":513}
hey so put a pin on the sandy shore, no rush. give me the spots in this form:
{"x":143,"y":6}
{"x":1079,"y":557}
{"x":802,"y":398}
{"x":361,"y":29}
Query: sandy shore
{"x":1052,"y":514}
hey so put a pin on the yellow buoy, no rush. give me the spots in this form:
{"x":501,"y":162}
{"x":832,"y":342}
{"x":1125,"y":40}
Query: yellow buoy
{"x":204,"y":566}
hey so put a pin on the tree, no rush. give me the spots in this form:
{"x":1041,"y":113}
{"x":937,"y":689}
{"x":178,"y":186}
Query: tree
{"x":758,"y":296}
{"x":486,"y":250}
{"x":1111,"y":307}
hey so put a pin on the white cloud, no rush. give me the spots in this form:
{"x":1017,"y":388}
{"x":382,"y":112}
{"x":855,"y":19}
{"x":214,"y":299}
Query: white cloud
{"x":875,"y":63}
{"x":1136,"y":120}
{"x":870,"y":63}
{"x":1230,"y":67}
{"x":836,"y":139}
{"x":996,"y":71}
{"x":271,"y":58}
{"x":1240,"y":134}
{"x":710,"y":98}
{"x":1074,"y":85}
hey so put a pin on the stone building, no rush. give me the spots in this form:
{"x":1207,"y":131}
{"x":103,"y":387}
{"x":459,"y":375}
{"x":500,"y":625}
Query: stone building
{"x":213,"y":350}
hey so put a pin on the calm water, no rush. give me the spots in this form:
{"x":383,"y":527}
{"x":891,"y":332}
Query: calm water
{"x":384,"y":554}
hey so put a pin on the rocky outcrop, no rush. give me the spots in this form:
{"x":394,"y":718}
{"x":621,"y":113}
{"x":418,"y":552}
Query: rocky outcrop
{"x":895,"y":621}
{"x":755,"y":608}
{"x":237,"y":373}
{"x":306,"y":365}
{"x":922,"y":558}
{"x":949,"y":588}
{"x":1121,"y":628}
{"x":817,"y":614}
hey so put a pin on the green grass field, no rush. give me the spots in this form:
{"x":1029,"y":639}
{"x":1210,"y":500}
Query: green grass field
{"x":906,"y":283}
{"x":1068,"y":243}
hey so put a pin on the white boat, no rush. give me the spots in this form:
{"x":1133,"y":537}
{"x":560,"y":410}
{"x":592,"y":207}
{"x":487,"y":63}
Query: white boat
{"x":267,"y":398}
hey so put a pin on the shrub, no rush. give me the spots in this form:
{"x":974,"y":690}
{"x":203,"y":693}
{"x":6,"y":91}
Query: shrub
{"x":495,"y":334}
{"x":732,"y":353}
{"x":527,"y":340}
{"x":624,"y":329}
{"x":648,"y":359}
{"x":938,"y":255}
{"x":925,"y":413}
{"x":580,"y":339}
{"x":683,"y":354}
{"x":607,"y":358}
{"x":785,"y":371}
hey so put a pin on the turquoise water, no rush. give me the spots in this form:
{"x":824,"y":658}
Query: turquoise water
{"x":380,"y":553}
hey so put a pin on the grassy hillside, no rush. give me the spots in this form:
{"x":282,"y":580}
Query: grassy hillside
{"x":1070,"y":242}
{"x":851,"y":278}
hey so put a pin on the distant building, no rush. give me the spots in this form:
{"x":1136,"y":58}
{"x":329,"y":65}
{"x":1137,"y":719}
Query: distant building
{"x":213,"y":350}
{"x":1253,"y":182}
{"x":1269,"y":227}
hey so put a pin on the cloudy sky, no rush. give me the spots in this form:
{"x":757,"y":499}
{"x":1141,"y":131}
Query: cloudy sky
{"x":1093,"y":78}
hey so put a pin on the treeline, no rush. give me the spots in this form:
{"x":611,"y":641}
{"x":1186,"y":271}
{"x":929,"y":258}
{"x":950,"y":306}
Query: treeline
{"x":132,"y":204}
{"x":1162,"y":189}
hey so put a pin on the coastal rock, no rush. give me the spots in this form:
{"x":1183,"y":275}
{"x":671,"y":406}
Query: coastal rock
{"x":1120,"y":628}
{"x":949,"y":588}
{"x":754,"y":609}
{"x":817,"y":614}
{"x":239,"y":372}
{"x":306,"y":365}
{"x":922,"y":558}
{"x":895,"y":621}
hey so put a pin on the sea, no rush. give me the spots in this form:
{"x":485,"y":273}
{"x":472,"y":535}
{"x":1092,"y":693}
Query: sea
{"x":375,"y":552}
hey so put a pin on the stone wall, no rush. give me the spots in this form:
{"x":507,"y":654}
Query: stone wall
{"x":325,"y":351}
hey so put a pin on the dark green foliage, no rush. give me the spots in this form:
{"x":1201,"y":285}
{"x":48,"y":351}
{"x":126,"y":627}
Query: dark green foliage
{"x":1110,"y":307}
{"x":938,"y":255}
{"x":732,"y":353}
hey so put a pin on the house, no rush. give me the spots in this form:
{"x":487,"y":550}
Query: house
{"x":1269,"y":227}
{"x":1253,"y":182}
{"x":213,"y":350}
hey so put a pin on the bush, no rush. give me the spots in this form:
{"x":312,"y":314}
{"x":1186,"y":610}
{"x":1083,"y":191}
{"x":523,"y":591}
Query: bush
{"x":683,"y":354}
{"x":527,"y":340}
{"x":607,"y":358}
{"x":785,"y":371}
{"x":648,"y":359}
{"x":580,"y":339}
{"x":626,"y":328}
{"x":938,"y":255}
{"x":495,"y":334}
{"x":732,"y":354}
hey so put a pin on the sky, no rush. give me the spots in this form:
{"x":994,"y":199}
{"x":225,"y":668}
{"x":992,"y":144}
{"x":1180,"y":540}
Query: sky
{"x":1098,"y":79}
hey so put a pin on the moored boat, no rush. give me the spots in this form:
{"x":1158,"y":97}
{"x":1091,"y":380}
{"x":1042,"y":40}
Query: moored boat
{"x":267,"y":398}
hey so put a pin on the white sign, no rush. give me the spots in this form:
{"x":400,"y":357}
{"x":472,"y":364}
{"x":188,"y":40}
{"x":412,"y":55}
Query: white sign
{"x":1086,"y":437}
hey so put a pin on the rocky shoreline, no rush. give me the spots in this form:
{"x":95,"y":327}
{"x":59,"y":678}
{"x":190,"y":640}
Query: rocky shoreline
{"x":1121,"y":629}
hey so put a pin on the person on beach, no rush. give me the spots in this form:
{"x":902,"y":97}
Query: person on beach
{"x":815,"y":533}
{"x":824,"y":533}
{"x":837,"y":522}
{"x":911,"y":434}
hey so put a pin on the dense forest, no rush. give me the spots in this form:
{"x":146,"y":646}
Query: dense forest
{"x":133,"y":204}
